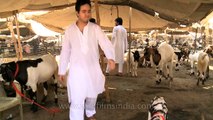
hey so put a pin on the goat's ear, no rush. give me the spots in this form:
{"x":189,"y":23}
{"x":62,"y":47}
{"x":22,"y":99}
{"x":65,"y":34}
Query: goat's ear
{"x":9,"y":74}
{"x":3,"y":65}
{"x":155,"y":47}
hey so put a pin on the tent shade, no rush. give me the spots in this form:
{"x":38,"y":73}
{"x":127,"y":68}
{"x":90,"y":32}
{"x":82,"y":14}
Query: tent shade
{"x":108,"y":13}
{"x":185,"y":11}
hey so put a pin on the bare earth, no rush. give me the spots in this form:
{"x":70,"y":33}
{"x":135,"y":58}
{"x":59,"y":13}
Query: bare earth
{"x":130,"y":98}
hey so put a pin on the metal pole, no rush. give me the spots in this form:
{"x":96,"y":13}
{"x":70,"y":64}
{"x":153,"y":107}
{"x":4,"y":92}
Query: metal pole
{"x":130,"y":38}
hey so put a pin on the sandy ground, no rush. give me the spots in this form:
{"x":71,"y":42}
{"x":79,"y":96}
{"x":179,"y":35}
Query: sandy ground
{"x":130,"y":98}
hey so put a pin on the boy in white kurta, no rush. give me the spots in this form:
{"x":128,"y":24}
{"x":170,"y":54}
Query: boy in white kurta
{"x":80,"y":50}
{"x":120,"y":44}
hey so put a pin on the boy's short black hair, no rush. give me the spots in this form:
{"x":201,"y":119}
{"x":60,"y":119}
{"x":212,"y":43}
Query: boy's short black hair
{"x":119,"y":21}
{"x":92,"y":20}
{"x":79,"y":3}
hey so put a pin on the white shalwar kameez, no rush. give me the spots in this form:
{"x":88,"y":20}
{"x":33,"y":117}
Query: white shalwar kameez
{"x":120,"y":44}
{"x":85,"y":79}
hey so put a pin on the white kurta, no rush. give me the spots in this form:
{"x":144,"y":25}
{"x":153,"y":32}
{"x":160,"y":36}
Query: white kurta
{"x":80,"y":50}
{"x":119,"y":41}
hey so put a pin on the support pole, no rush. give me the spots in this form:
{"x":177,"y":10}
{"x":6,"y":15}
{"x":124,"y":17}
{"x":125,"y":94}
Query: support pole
{"x":130,"y":37}
{"x":117,"y":8}
{"x":107,"y":96}
{"x":10,"y":26}
{"x":19,"y":38}
{"x":97,"y":12}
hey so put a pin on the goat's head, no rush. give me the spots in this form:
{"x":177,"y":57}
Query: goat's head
{"x":148,"y":51}
{"x":6,"y":70}
{"x":136,"y":55}
{"x":185,"y":52}
{"x":209,"y":50}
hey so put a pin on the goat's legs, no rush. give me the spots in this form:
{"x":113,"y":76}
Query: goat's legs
{"x":33,"y":96}
{"x":55,"y":90}
{"x":207,"y":72}
{"x":45,"y":86}
{"x":192,"y":68}
{"x":136,"y":69}
{"x":170,"y":73}
{"x":158,"y":75}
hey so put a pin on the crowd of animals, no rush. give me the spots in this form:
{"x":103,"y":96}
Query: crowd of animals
{"x":164,"y":57}
{"x":161,"y":55}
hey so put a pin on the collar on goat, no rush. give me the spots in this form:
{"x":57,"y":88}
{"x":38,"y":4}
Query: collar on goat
{"x":17,"y":70}
{"x":158,"y":114}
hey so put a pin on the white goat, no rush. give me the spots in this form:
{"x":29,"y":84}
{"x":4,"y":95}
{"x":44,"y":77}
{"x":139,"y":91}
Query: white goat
{"x":132,"y":62}
{"x":202,"y":67}
{"x":162,"y":57}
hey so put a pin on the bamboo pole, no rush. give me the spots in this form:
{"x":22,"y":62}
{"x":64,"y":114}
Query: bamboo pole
{"x":19,"y":38}
{"x":130,"y":37}
{"x":117,"y":11}
{"x":98,"y":22}
{"x":10,"y":27}
{"x":97,"y":12}
{"x":107,"y":96}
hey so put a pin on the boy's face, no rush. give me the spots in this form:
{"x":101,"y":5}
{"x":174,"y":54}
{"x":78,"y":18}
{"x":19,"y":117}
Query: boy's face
{"x":85,"y":13}
{"x":116,"y":23}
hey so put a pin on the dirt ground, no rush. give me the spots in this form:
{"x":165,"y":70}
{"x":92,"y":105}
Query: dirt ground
{"x":130,"y":98}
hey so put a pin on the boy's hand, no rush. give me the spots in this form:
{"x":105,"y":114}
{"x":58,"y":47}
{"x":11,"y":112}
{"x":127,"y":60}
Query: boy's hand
{"x":111,"y":64}
{"x":62,"y":77}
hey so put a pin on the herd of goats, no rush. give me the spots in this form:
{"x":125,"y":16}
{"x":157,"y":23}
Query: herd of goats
{"x":163,"y":56}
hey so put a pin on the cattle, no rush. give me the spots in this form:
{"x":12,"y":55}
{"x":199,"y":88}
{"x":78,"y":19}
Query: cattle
{"x":29,"y":73}
{"x":181,"y":55}
{"x":162,"y":57}
{"x":193,"y":57}
{"x":177,"y":58}
{"x":132,"y":62}
{"x":202,"y":67}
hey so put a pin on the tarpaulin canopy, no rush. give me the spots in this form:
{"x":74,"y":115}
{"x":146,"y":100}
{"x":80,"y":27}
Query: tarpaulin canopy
{"x":108,"y":13}
{"x":177,"y":11}
{"x":172,"y":10}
